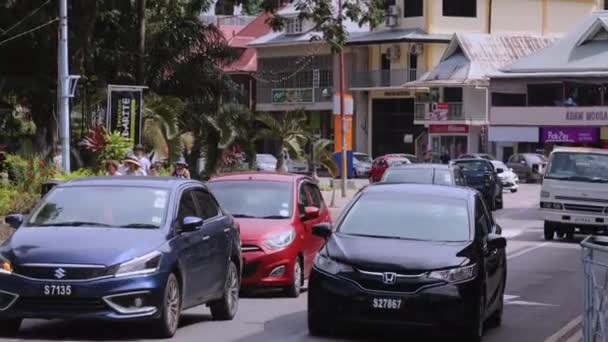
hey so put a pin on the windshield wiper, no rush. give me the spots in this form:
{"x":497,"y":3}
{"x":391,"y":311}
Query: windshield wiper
{"x":385,"y":237}
{"x":277,"y":217}
{"x":139,"y":225}
{"x":244,"y":216}
{"x":73,"y":224}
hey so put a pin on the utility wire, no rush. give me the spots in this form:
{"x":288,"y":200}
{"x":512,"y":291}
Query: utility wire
{"x":2,"y":42}
{"x":4,"y":32}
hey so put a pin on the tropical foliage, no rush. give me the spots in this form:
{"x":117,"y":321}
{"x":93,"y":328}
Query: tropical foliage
{"x":287,"y":132}
{"x":161,"y":125}
{"x":106,"y":146}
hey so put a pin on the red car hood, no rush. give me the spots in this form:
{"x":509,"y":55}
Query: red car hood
{"x":254,"y":230}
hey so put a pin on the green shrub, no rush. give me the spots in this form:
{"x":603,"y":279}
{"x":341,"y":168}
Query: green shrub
{"x":81,"y":173}
{"x":12,"y":201}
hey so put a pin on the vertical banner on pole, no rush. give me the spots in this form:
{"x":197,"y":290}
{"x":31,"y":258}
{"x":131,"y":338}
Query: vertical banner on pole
{"x":348,"y":129}
{"x":125,"y":111}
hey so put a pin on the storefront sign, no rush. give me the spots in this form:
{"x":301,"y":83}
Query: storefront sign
{"x":586,"y":115}
{"x":294,"y":95}
{"x":449,"y":129}
{"x":569,"y":134}
{"x":439,"y":111}
{"x":604,"y":134}
{"x":549,"y":116}
{"x":124,"y":111}
{"x":396,"y":93}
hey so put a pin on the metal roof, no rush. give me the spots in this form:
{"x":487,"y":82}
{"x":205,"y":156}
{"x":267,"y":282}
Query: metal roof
{"x":584,"y":49}
{"x":397,"y":35}
{"x":471,"y":57}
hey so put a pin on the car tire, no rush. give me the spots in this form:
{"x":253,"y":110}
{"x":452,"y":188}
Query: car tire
{"x":570,"y":235}
{"x":10,"y":327}
{"x":166,"y":326}
{"x":475,"y":332}
{"x":495,"y":320}
{"x":355,"y":175}
{"x":294,"y":290}
{"x":560,"y":234}
{"x":549,"y":231}
{"x":513,"y":191}
{"x":226,"y":307}
{"x":499,"y":202}
{"x":317,"y":314}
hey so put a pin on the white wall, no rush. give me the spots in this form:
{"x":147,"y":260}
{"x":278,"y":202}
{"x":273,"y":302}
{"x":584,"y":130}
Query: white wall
{"x":294,"y":50}
{"x":474,"y":102}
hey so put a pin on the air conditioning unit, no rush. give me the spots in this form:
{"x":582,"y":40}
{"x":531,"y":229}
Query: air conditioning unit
{"x":393,"y":10}
{"x":391,"y":21}
{"x":393,"y":52}
{"x":416,"y":49}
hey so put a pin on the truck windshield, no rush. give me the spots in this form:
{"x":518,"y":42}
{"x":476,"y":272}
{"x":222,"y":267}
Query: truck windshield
{"x":582,"y":167}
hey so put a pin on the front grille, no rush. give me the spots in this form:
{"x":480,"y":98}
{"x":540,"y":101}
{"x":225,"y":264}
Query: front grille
{"x":584,"y":208}
{"x":250,"y":268}
{"x":581,"y":199}
{"x":69,"y":273}
{"x":404,"y":284}
{"x":67,"y":305}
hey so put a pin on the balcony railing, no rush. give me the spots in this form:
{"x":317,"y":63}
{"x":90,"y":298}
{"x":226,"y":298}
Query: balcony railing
{"x":308,"y":95}
{"x":454,"y":112}
{"x":384,"y":78}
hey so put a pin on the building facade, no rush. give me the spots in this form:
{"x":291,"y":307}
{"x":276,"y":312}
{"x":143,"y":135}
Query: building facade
{"x":394,"y":113}
{"x":556,"y":96}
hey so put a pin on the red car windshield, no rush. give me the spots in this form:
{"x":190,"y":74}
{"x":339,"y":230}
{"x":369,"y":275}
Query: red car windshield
{"x":254,"y":199}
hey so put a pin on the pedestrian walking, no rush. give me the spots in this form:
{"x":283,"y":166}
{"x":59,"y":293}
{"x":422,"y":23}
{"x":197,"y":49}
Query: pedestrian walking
{"x":133,"y":167}
{"x":144,"y":162}
{"x":181,"y":169}
{"x":111,"y":167}
{"x":58,"y":158}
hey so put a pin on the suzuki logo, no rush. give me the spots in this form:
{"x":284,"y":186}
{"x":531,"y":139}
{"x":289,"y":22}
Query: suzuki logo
{"x":389,"y":278}
{"x":59,"y":273}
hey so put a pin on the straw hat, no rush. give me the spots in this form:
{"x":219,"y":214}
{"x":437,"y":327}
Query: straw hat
{"x":181,"y":161}
{"x":133,"y":160}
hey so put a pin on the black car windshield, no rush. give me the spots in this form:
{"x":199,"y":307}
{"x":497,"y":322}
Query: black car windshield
{"x":475,"y":165}
{"x":254,"y":199}
{"x":102,"y":206}
{"x":399,"y":216}
{"x":582,"y":167}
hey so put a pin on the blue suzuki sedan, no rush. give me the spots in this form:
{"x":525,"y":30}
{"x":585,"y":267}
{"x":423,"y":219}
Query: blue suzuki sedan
{"x":121,"y":248}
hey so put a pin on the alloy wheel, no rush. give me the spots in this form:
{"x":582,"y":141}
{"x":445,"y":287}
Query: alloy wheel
{"x":232,"y":289}
{"x":172,"y":304}
{"x":297,"y":276}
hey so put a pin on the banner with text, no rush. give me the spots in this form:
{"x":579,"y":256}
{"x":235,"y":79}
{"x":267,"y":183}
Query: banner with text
{"x":124,"y":112}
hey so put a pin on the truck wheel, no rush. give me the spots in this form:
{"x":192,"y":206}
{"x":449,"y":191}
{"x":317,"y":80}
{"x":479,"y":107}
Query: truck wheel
{"x":560,"y":234}
{"x":549,"y":231}
{"x":570,"y":235}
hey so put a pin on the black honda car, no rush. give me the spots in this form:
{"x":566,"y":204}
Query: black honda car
{"x":421,"y":256}
{"x":482,"y":175}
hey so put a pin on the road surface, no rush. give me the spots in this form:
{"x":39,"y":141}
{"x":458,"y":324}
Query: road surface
{"x":543,"y":299}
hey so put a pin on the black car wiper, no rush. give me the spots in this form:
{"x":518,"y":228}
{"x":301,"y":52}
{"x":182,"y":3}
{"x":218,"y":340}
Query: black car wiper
{"x":244,"y":216}
{"x":275,"y":217}
{"x":73,"y":224}
{"x":139,"y":225}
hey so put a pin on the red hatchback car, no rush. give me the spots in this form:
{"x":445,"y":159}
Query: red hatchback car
{"x":380,"y":165}
{"x":276,"y":213}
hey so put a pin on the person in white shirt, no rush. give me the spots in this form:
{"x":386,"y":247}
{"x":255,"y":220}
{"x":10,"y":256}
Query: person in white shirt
{"x":112,"y":168}
{"x":58,"y":158}
{"x":144,"y":162}
{"x":133,"y":167}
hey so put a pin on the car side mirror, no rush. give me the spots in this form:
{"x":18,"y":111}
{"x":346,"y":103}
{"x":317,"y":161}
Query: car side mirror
{"x":498,"y":229}
{"x":523,"y":162}
{"x":322,"y":230}
{"x":499,"y":171}
{"x":497,"y":242}
{"x":14,"y":220}
{"x":311,"y":213}
{"x":191,"y":223}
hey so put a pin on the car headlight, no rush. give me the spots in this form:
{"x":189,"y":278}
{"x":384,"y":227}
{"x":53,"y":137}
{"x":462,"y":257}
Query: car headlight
{"x":329,"y":265}
{"x":5,"y":266}
{"x":455,"y":275}
{"x":544,"y":194}
{"x":280,"y":240}
{"x":146,"y":264}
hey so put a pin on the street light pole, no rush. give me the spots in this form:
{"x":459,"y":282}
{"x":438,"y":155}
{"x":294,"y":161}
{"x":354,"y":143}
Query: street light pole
{"x":63,"y":85}
{"x":342,"y":117}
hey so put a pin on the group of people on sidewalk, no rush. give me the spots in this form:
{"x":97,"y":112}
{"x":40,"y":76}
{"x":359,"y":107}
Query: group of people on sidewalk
{"x":138,"y":164}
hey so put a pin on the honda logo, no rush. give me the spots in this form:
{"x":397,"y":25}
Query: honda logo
{"x":389,"y":278}
{"x":59,"y":273}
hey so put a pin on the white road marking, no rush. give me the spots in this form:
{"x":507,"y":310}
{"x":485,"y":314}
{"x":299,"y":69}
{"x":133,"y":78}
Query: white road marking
{"x":577,"y":337}
{"x":510,"y":300}
{"x":565,"y":329}
{"x":510,"y":233}
{"x":526,"y":250}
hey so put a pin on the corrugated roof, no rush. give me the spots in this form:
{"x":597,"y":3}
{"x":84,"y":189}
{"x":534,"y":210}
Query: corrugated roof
{"x":471,"y":57}
{"x":397,"y":35}
{"x":578,"y":51}
{"x":247,"y":62}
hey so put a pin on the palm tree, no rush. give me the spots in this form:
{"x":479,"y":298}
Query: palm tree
{"x":160,"y":124}
{"x":288,"y":133}
{"x":321,"y":156}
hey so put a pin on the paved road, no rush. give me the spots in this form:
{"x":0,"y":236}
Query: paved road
{"x":543,"y":302}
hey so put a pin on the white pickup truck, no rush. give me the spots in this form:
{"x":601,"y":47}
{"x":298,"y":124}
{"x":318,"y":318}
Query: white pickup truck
{"x":574,"y":194}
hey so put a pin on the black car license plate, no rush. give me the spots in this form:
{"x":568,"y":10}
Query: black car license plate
{"x":57,"y":290}
{"x":378,"y":303}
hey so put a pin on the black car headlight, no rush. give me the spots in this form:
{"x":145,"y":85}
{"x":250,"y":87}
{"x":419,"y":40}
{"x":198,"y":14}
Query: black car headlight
{"x":5,"y":266}
{"x":455,"y":275}
{"x":146,"y":264}
{"x":326,"y":264}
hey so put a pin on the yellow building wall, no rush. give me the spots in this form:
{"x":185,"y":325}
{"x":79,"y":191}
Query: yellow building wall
{"x":437,"y":23}
{"x":564,"y":15}
{"x":523,"y":16}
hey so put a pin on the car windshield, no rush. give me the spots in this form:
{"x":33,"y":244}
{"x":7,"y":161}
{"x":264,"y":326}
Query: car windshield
{"x":584,"y":167}
{"x":397,"y":161}
{"x":499,"y":165}
{"x":399,"y":216}
{"x":363,"y":158}
{"x":536,"y":158}
{"x":266,"y":158}
{"x":254,"y":199}
{"x":474,"y":165}
{"x":103,"y":206}
{"x":411,"y":175}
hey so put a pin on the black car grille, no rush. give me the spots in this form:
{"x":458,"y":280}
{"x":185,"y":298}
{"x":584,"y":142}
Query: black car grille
{"x":249,"y":269}
{"x":584,"y":208}
{"x":69,"y":273}
{"x":67,"y":305}
{"x":404,"y":283}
